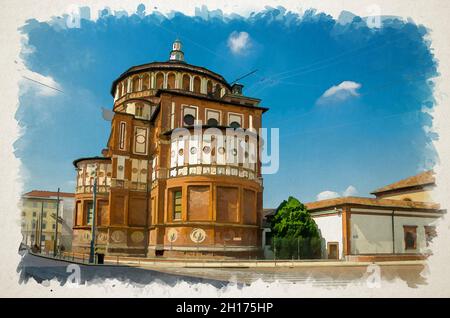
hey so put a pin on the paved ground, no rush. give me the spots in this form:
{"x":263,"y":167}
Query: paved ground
{"x":320,"y":276}
{"x":41,"y":268}
{"x":318,"y":273}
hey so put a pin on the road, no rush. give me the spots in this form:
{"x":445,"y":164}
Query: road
{"x":332,"y":276}
{"x":41,"y":268}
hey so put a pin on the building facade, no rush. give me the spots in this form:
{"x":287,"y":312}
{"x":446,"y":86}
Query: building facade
{"x":180,"y":175}
{"x":38,"y":219}
{"x":399,"y":223}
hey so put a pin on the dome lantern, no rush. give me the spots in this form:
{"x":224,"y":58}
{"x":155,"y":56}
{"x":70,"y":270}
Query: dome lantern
{"x":176,"y":55}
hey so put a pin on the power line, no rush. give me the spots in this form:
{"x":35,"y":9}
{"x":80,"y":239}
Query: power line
{"x":35,"y":81}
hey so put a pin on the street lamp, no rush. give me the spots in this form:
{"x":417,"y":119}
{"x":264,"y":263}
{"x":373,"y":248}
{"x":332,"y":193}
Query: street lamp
{"x":94,"y":195}
{"x":55,"y":243}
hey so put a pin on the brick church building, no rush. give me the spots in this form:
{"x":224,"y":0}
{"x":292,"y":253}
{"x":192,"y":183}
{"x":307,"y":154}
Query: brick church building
{"x":180,"y":175}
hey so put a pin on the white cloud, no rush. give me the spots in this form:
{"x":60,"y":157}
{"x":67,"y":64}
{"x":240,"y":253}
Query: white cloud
{"x":350,"y":191}
{"x":327,"y":194}
{"x":239,"y":42}
{"x":344,"y":90}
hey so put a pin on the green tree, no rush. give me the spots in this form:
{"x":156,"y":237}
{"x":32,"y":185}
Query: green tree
{"x":293,"y":220}
{"x":295,"y":234}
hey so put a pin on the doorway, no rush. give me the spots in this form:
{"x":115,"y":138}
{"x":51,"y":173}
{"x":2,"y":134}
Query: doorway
{"x":333,"y":250}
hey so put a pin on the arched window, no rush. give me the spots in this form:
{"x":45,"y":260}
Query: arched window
{"x":209,"y":87}
{"x":145,"y":82}
{"x":197,"y":82}
{"x":235,"y":124}
{"x":212,"y":122}
{"x":171,"y":81}
{"x":186,"y":82}
{"x":216,"y":92}
{"x":159,"y":80}
{"x":135,"y":84}
{"x":139,"y":109}
{"x":123,"y":89}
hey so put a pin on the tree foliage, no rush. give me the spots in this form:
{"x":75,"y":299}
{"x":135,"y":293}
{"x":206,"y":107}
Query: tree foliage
{"x":292,"y":220}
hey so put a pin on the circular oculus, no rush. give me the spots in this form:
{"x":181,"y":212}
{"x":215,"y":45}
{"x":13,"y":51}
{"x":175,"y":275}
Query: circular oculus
{"x":140,"y":139}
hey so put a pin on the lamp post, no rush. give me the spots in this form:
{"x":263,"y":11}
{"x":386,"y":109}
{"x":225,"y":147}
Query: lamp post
{"x":40,"y":226}
{"x":94,"y":195}
{"x":55,"y":243}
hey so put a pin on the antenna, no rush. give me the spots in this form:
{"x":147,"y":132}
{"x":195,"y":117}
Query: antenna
{"x":243,"y":76}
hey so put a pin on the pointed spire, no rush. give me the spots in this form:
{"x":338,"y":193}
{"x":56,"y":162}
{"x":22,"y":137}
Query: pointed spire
{"x":176,"y":55}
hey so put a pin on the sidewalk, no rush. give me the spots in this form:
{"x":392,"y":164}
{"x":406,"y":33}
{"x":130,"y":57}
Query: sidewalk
{"x":195,"y":263}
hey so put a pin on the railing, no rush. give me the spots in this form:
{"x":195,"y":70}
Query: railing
{"x":213,"y":170}
{"x":90,"y":189}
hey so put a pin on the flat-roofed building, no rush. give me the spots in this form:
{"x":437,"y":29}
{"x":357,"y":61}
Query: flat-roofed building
{"x":398,"y":224}
{"x":38,"y":219}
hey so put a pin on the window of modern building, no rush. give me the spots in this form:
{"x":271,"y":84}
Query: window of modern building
{"x":53,"y":226}
{"x":34,"y":214}
{"x":90,"y":212}
{"x":176,"y":204}
{"x":410,"y":237}
{"x":44,"y":225}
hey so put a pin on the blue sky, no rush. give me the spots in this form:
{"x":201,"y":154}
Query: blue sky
{"x":347,"y":98}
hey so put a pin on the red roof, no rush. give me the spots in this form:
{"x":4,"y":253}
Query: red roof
{"x":419,"y":180}
{"x":370,"y":202}
{"x":47,"y":194}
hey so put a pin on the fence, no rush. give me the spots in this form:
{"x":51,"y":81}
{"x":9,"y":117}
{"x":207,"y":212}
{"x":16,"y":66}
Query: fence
{"x":296,"y":248}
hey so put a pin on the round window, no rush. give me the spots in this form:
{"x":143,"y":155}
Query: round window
{"x":193,"y":150}
{"x":206,"y":149}
{"x":189,"y":119}
{"x":180,"y":152}
{"x":221,"y":150}
{"x":140,"y":139}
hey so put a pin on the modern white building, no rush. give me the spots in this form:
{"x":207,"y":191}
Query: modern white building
{"x":398,"y":223}
{"x":393,"y":225}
